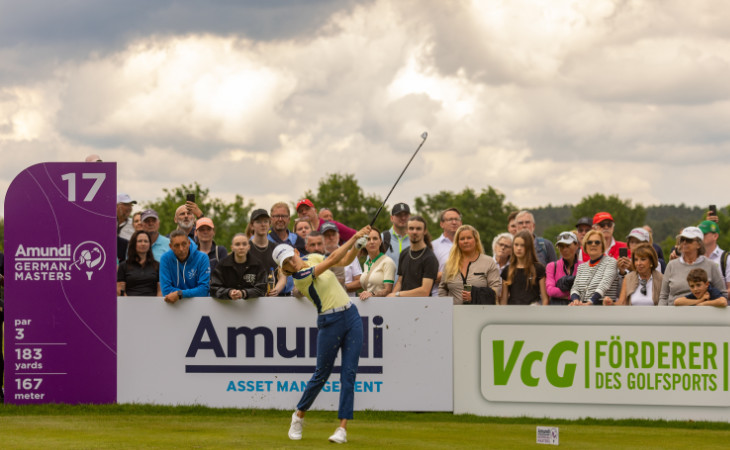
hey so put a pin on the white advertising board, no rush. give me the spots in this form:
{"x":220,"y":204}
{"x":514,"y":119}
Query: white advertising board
{"x":619,"y":362}
{"x":260,"y":353}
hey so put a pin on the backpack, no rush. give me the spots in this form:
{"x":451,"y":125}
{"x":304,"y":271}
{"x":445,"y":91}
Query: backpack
{"x":541,"y":250}
{"x":723,"y":263}
{"x":386,"y":241}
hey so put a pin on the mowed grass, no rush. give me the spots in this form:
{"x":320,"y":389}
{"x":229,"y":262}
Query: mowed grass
{"x":145,"y":426}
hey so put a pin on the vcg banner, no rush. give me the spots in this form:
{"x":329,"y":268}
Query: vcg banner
{"x":601,"y":362}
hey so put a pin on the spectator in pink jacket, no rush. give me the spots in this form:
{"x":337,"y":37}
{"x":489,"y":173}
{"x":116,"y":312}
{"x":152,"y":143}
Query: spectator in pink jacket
{"x":560,"y":274}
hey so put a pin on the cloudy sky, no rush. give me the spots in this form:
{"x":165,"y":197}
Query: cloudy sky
{"x":545,"y":100}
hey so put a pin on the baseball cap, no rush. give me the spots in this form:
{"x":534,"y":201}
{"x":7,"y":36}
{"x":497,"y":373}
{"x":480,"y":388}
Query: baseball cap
{"x":601,"y":216}
{"x":125,"y":198}
{"x":399,"y":208}
{"x":204,"y":221}
{"x":258,"y":213}
{"x":709,"y":226}
{"x":282,"y":252}
{"x":147,"y":213}
{"x":640,"y":234}
{"x":306,"y":202}
{"x":328,"y":226}
{"x":692,"y":233}
{"x":567,"y":237}
{"x":584,"y":221}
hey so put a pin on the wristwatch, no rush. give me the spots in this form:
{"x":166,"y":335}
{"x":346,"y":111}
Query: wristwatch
{"x":179,"y":295}
{"x":397,"y":294}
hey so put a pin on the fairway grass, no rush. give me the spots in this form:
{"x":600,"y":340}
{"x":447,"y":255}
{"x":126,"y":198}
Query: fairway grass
{"x":144,"y":426}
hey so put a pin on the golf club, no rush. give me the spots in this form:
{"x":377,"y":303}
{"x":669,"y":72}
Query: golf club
{"x":424,"y":135}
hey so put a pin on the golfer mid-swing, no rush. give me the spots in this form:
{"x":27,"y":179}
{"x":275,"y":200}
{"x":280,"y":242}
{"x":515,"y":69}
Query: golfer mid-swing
{"x":339,"y":326}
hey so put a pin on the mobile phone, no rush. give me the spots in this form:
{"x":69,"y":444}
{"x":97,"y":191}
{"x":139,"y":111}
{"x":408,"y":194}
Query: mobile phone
{"x":191,"y":198}
{"x":713,"y":210}
{"x":623,"y":252}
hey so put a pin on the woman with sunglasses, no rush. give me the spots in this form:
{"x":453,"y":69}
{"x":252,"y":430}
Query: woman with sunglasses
{"x":674,"y":284}
{"x":642,"y":285}
{"x":560,"y":274}
{"x":596,"y":278}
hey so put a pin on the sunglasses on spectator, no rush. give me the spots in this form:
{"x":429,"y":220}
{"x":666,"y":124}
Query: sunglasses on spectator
{"x":593,"y":242}
{"x":606,"y":224}
{"x":683,"y":239}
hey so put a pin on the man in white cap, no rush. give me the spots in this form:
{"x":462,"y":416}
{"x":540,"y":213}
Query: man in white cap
{"x":125,"y":227}
{"x":638,"y":236}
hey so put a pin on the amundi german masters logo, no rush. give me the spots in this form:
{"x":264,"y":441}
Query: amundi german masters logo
{"x":90,"y":257}
{"x":55,"y":263}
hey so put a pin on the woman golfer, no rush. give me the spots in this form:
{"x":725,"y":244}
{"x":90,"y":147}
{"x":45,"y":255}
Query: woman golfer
{"x":338,"y":323}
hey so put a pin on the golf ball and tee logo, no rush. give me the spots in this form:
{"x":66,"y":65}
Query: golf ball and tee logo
{"x":605,"y":364}
{"x":58,"y":263}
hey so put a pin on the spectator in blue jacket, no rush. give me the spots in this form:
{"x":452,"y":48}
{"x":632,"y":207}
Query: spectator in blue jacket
{"x":183,"y":273}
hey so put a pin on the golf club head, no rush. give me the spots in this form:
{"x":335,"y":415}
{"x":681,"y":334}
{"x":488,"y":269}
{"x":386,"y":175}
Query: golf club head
{"x":424,"y":135}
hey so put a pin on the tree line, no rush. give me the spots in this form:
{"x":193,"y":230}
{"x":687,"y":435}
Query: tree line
{"x":486,"y":210}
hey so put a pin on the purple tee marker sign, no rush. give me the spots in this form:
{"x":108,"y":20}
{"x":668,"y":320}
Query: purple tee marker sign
{"x":60,"y":284}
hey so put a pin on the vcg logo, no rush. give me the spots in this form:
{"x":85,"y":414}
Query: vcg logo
{"x":515,"y":367}
{"x":557,"y":376}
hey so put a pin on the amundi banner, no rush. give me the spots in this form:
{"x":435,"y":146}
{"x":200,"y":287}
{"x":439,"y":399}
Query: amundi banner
{"x":260,"y":353}
{"x":571,"y":362}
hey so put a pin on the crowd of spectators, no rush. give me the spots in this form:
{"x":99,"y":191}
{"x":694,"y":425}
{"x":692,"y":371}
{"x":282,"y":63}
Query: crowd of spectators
{"x":591,"y":267}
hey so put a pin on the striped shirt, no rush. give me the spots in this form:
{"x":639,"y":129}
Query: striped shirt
{"x":600,"y":277}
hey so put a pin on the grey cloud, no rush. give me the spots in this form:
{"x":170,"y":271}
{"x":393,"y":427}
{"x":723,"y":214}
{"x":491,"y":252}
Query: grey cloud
{"x":38,"y":35}
{"x":98,"y":24}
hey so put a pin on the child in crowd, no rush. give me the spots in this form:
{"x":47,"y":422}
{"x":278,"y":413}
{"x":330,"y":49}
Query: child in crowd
{"x":703,"y":294}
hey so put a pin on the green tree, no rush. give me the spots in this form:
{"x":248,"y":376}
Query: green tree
{"x":349,"y":204}
{"x":229,"y":218}
{"x":624,"y":214}
{"x":487,"y":211}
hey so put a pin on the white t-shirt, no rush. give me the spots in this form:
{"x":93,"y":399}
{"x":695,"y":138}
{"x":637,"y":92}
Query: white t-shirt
{"x":441,"y":248}
{"x":639,"y":299}
{"x":351,"y":272}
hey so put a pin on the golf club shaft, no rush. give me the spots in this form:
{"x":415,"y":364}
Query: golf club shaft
{"x":375,"y":217}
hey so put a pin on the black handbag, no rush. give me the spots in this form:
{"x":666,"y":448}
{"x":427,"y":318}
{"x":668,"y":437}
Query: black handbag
{"x":482,"y":296}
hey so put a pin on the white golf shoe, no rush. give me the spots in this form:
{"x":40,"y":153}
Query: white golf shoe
{"x":295,"y":430}
{"x":340,"y":436}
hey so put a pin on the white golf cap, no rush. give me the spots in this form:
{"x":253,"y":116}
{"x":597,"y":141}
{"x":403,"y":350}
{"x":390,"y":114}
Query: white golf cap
{"x":282,"y":252}
{"x":692,"y":233}
{"x":567,"y":238}
{"x":125,"y":198}
{"x":640,"y":234}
